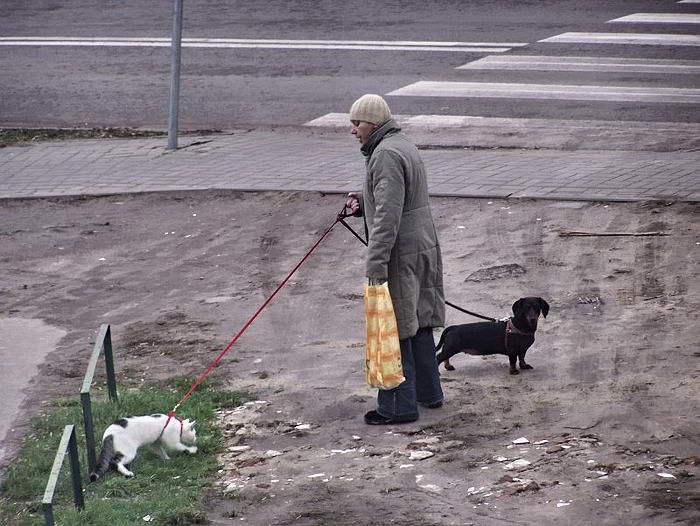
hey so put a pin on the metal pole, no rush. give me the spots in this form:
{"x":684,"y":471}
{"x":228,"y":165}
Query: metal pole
{"x":89,"y":431}
{"x":68,"y":445}
{"x":75,"y":471}
{"x":175,"y":75}
{"x":48,"y":514}
{"x":109,"y":365}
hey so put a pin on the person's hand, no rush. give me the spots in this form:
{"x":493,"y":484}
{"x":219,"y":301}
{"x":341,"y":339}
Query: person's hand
{"x":352,"y":204}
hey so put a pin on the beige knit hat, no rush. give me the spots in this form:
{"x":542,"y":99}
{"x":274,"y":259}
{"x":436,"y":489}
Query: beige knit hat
{"x":370,"y":108}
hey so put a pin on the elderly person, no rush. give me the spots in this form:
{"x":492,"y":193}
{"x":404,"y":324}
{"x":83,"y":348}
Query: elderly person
{"x":403,"y":248}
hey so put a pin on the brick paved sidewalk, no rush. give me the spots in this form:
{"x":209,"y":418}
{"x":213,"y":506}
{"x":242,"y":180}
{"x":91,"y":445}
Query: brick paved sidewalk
{"x":332,"y":163}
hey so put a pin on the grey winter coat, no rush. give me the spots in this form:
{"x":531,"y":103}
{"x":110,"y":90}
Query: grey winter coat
{"x":403,"y":241}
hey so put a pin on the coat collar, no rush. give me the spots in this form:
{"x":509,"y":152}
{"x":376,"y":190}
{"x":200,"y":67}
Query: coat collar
{"x":389,"y":127}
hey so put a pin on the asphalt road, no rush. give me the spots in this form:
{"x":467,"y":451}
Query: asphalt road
{"x":225,"y":88}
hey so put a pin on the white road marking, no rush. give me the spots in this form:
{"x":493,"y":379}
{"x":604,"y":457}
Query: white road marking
{"x":342,"y":120}
{"x":659,"y":18}
{"x":689,"y":2}
{"x":550,"y":63}
{"x":548,"y":91}
{"x":648,"y":39}
{"x":370,"y":45}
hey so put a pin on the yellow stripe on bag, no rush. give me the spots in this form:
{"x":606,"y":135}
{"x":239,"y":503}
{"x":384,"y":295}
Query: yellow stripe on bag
{"x":383,"y":367}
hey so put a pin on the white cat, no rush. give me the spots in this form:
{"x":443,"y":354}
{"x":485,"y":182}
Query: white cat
{"x":122,"y":440}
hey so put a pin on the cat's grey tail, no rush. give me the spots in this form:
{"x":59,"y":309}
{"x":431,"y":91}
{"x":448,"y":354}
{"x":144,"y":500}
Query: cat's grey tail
{"x":106,"y":456}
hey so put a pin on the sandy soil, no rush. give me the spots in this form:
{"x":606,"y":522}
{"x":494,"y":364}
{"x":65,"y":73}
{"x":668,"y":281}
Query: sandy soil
{"x":610,"y":410}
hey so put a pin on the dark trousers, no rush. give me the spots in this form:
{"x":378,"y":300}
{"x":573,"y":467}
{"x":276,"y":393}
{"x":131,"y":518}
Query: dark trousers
{"x":422,"y":384}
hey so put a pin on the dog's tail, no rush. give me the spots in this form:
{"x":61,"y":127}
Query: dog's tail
{"x":106,"y":456}
{"x":442,"y":339}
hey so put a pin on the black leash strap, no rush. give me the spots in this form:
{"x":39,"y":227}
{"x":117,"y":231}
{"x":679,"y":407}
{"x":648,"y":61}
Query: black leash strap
{"x":358,"y":236}
{"x":465,"y":311}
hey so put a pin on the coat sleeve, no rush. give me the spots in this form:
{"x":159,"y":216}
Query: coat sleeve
{"x":388,"y":187}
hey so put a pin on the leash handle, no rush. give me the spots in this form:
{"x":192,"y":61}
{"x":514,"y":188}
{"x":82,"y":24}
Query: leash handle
{"x":346,"y":211}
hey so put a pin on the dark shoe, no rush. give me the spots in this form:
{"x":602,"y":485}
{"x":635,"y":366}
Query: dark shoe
{"x":375,"y":419}
{"x":433,"y":405}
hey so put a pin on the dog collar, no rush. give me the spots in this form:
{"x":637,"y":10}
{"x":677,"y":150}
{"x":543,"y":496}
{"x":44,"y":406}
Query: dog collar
{"x":512,"y":329}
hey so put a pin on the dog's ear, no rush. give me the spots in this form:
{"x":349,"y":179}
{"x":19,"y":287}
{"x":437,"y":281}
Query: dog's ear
{"x":518,"y":305}
{"x":544,"y":306}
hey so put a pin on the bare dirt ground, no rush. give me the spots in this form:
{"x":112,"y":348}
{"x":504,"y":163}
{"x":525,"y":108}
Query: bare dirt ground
{"x":610,"y":411}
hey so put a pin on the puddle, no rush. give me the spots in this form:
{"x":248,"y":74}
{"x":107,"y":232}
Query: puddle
{"x":24,"y":343}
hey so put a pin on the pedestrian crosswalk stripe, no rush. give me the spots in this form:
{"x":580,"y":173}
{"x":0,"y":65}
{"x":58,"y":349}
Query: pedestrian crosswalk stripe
{"x":342,"y":120}
{"x":659,"y":18}
{"x":650,"y":39}
{"x":358,"y":45}
{"x":605,"y":64}
{"x":689,"y":2}
{"x":548,"y":91}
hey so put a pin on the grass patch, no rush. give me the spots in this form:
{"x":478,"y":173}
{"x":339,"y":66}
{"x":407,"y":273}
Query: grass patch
{"x":9,"y":136}
{"x":171,"y":492}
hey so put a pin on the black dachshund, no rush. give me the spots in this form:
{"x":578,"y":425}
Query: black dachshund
{"x":512,"y":337}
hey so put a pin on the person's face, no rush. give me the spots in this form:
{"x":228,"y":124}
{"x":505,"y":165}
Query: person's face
{"x":362,"y":130}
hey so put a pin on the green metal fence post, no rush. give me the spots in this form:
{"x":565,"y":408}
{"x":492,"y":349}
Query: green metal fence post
{"x":68,"y":445}
{"x":48,"y":514}
{"x":86,"y":404}
{"x":75,"y":470}
{"x":103,"y":341}
{"x":109,"y":363}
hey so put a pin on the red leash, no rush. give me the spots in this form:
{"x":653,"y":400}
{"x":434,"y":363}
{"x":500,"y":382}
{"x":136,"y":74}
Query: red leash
{"x":199,"y":380}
